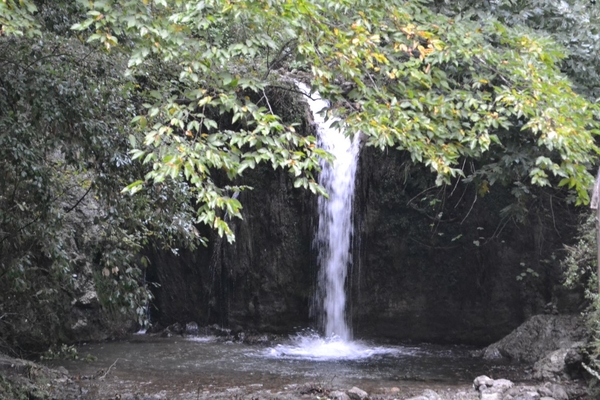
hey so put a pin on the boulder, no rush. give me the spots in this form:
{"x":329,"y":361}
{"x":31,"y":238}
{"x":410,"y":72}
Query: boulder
{"x":191,"y":328}
{"x":492,"y":389}
{"x":551,"y":367}
{"x":548,"y":391}
{"x":501,"y":385}
{"x":489,"y":386}
{"x":538,"y":336}
{"x":554,"y":391}
{"x":176,"y":329}
{"x":338,"y":395}
{"x":482,"y":380}
{"x":357,"y":394}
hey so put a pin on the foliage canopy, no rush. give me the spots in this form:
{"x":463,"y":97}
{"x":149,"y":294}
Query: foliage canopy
{"x":442,"y":88}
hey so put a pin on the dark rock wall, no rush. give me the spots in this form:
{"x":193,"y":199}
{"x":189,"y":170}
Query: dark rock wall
{"x":423,"y":270}
{"x":449,"y":267}
{"x":264,"y":281}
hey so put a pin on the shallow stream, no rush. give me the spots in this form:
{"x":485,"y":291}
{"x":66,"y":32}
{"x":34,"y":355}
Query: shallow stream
{"x":178,"y":366}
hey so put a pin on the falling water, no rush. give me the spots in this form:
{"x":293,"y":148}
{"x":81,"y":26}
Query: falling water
{"x":333,"y":239}
{"x":335,"y":219}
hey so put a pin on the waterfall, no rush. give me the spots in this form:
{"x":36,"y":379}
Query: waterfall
{"x":333,"y":239}
{"x":334,"y":234}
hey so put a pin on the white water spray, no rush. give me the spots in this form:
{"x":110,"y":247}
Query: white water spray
{"x":335,"y":228}
{"x":333,"y":239}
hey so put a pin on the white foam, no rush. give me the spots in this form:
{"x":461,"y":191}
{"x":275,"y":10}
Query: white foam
{"x":314,"y":347}
{"x":202,"y":339}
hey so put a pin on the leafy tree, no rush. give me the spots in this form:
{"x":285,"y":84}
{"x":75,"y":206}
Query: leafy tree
{"x":65,"y":112}
{"x":442,"y":88}
{"x":16,"y":18}
{"x":574,"y":24}
{"x":216,"y":115}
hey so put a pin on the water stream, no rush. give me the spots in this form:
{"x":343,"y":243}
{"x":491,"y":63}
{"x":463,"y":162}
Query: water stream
{"x":333,"y":242}
{"x":180,"y":367}
{"x":335,"y":228}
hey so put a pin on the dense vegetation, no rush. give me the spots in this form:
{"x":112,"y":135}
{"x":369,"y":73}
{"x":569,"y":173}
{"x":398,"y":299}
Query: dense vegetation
{"x":64,"y":226}
{"x":173,"y":100}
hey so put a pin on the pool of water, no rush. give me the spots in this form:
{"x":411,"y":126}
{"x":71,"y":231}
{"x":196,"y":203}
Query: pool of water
{"x":199,"y":363}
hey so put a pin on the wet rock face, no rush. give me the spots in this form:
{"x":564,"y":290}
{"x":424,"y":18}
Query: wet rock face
{"x":541,"y":336}
{"x":443,"y":264}
{"x":456,"y":272}
{"x":263,"y":281}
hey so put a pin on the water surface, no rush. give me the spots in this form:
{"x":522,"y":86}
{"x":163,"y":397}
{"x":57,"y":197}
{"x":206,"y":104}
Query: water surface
{"x":203,"y":363}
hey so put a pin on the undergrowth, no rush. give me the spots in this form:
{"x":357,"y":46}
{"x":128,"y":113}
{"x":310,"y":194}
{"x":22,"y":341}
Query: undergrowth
{"x":581,"y":273}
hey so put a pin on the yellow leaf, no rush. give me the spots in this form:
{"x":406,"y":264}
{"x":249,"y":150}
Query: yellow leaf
{"x":204,"y":101}
{"x":425,"y":34}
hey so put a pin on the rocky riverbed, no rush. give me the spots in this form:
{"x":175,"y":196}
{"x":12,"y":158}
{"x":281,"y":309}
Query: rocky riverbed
{"x":26,"y":380}
{"x":540,"y":360}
